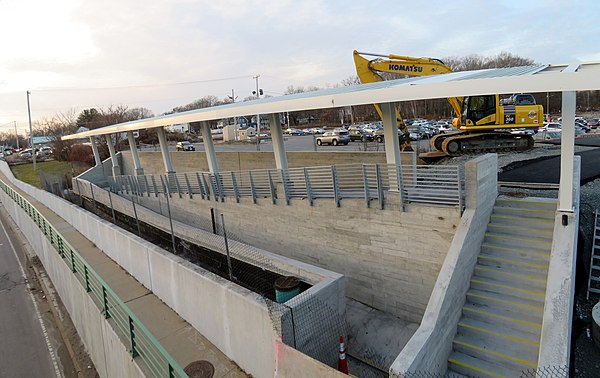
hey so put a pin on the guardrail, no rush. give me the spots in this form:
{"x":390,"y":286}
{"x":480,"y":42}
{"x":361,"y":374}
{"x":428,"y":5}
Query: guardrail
{"x":421,"y":184}
{"x":136,"y":336}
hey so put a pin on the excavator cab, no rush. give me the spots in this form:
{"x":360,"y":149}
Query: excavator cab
{"x":477,"y":110}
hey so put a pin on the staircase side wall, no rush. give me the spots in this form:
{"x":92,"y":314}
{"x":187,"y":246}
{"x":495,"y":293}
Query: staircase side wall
{"x":555,"y":345}
{"x":428,"y":349}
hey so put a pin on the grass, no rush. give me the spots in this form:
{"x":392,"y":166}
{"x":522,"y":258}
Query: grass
{"x":24,"y":172}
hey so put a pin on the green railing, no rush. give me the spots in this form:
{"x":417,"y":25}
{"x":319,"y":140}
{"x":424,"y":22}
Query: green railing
{"x":130,"y":329}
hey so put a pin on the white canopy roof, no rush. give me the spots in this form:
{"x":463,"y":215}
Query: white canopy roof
{"x":531,"y":79}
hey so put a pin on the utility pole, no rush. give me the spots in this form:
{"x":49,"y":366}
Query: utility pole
{"x":30,"y":131}
{"x":547,"y":102}
{"x":258,"y":115}
{"x":16,"y":135}
{"x":235,"y":119}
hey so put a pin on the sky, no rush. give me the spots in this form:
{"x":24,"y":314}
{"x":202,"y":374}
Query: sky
{"x":74,"y":54}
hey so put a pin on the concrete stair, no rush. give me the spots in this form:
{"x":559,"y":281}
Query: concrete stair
{"x":498,"y":334}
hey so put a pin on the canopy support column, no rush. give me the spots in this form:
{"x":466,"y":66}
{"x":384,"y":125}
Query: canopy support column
{"x":139,"y":171}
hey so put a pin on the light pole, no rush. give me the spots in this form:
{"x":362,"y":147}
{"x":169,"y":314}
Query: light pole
{"x":30,"y":131}
{"x":258,"y":93}
{"x":16,"y":135}
{"x":235,"y":119}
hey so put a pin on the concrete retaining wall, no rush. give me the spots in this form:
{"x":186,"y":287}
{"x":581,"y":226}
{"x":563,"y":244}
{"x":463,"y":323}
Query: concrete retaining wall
{"x":389,"y":258}
{"x":291,"y":363}
{"x":111,"y":358}
{"x":555,"y":346}
{"x":428,"y":349}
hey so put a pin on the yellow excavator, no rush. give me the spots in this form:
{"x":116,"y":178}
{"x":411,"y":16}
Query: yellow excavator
{"x":483,"y":121}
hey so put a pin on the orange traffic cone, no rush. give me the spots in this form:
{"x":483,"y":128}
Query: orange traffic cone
{"x":342,"y":362}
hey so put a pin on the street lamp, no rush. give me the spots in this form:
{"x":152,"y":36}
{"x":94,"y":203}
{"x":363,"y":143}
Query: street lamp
{"x":258,"y":93}
{"x":30,"y":131}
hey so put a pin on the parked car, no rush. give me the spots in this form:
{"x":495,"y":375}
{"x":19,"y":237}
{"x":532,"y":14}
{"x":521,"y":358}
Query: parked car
{"x":185,"y":146}
{"x":26,"y":153}
{"x":582,"y":125}
{"x":44,"y":152}
{"x":334,"y":138}
{"x":293,"y":131}
{"x":360,"y":135}
{"x":594,"y":123}
{"x":523,"y":131}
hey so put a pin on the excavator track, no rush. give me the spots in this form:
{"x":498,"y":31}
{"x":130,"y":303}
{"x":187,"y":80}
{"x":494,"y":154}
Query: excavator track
{"x":462,"y":143}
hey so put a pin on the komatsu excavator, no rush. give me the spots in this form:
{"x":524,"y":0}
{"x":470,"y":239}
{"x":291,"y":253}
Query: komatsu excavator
{"x":482,"y":120}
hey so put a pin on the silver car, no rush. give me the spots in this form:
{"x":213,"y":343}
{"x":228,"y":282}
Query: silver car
{"x":334,"y":138}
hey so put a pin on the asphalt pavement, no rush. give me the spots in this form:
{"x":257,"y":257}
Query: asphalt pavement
{"x":547,"y":170}
{"x":25,"y":346}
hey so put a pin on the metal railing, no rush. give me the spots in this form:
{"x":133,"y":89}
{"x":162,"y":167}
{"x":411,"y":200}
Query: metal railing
{"x":420,"y":184}
{"x":130,"y":329}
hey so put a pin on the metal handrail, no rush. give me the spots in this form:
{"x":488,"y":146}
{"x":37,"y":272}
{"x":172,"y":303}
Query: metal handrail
{"x":422,"y":184}
{"x":136,"y":336}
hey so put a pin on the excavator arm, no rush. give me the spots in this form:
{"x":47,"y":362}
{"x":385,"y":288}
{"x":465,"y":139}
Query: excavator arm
{"x":368,"y":72}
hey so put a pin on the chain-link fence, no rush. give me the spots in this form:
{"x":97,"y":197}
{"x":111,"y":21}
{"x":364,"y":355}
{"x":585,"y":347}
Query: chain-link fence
{"x":304,"y":322}
{"x":543,"y":372}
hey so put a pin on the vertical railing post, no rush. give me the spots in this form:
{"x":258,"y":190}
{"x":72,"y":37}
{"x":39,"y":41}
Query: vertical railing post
{"x":73,"y":267}
{"x":61,"y":248}
{"x":379,"y":185}
{"x":137,"y":221}
{"x":146,"y":186}
{"x":235,"y":188}
{"x":200,"y":185}
{"x":400,"y":179}
{"x":154,"y":186}
{"x":112,"y":208}
{"x":336,"y":189}
{"x":189,"y":187}
{"x":366,"y":186}
{"x":252,"y":188}
{"x":87,"y":278}
{"x":92,"y":192}
{"x":226,"y":248}
{"x":284,"y":183}
{"x":133,"y":351}
{"x":214,"y":222}
{"x":272,"y":188}
{"x":105,"y":303}
{"x":219,"y":182}
{"x":177,"y":186}
{"x":309,"y":195}
{"x":208,"y":187}
{"x":167,"y":195}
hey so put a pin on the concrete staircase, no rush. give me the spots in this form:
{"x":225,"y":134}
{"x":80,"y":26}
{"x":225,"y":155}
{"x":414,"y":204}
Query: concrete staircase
{"x":499,"y":332}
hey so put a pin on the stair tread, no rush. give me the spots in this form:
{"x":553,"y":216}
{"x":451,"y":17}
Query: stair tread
{"x":541,"y":252}
{"x":511,"y":286}
{"x":509,"y":229}
{"x":517,"y":261}
{"x":511,"y":300}
{"x":478,"y":366}
{"x":537,"y":278}
{"x":527,"y":319}
{"x":521,"y":355}
{"x":492,"y":329}
{"x":538,"y":221}
{"x":520,"y":238}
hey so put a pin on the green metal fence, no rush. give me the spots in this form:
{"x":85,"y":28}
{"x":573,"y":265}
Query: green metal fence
{"x":135,"y":335}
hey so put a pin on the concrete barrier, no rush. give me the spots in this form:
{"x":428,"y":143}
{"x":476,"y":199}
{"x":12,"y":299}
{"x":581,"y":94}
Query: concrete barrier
{"x":427,"y":351}
{"x":111,"y":358}
{"x":231,"y":317}
{"x":555,"y":346}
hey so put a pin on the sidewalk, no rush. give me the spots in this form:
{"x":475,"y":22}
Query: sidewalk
{"x":180,"y":339}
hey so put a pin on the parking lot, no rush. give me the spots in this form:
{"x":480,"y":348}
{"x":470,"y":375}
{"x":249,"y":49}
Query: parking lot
{"x":295,"y":143}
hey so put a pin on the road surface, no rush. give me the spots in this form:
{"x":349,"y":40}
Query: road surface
{"x":26,"y":345}
{"x":548,"y":170}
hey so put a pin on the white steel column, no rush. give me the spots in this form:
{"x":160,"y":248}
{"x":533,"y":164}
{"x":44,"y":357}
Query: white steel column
{"x":134,"y":154}
{"x":164,"y":149}
{"x":277,"y":139}
{"x":95,"y":151}
{"x":116,"y":170}
{"x":209,"y":148}
{"x":392,"y":143}
{"x":567,"y":152}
